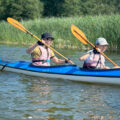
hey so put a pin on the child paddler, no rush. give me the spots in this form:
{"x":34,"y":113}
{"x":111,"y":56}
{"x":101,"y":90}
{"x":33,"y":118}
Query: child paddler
{"x":93,"y":59}
{"x":41,"y":54}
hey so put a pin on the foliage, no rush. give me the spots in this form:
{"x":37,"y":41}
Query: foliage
{"x":20,"y":9}
{"x":31,"y":9}
{"x":72,"y":8}
{"x":92,"y":26}
{"x":52,"y":7}
{"x":96,"y":7}
{"x":79,"y":7}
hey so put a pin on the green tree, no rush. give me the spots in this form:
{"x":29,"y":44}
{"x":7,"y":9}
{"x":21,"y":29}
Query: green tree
{"x":3,"y":8}
{"x":96,"y":7}
{"x":52,"y":7}
{"x":72,"y":8}
{"x":25,"y":9}
{"x":32,"y":9}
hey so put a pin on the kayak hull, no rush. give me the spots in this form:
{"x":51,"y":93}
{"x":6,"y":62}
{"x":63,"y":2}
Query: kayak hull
{"x":68,"y":72}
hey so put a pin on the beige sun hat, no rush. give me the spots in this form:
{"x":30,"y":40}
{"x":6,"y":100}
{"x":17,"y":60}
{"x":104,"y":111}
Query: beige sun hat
{"x":101,"y":41}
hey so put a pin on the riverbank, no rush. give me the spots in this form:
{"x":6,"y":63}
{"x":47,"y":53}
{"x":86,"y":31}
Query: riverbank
{"x":92,"y":26}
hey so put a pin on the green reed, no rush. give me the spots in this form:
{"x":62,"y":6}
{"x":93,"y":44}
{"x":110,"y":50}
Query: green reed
{"x":92,"y":26}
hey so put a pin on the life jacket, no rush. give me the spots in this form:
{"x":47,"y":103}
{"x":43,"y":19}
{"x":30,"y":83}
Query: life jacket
{"x":94,"y":61}
{"x":44,"y":59}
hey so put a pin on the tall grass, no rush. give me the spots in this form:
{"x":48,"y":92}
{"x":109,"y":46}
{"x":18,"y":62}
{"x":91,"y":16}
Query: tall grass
{"x":92,"y":26}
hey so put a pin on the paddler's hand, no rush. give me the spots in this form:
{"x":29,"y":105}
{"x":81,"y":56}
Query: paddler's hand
{"x":115,"y":67}
{"x":106,"y":67}
{"x":68,"y":61}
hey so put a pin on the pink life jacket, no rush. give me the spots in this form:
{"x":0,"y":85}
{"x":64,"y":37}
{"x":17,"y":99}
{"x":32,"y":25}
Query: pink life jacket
{"x":44,"y":59}
{"x":94,"y":61}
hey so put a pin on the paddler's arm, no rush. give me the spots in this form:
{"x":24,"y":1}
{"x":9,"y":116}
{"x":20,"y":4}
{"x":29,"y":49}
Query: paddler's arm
{"x":31,"y":48}
{"x":84,"y":57}
{"x":60,"y":61}
{"x":57,"y":60}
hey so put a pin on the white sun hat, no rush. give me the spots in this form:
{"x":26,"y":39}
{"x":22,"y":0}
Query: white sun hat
{"x":101,"y":41}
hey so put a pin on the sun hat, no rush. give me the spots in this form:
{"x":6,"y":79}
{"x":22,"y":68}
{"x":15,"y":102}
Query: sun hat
{"x":101,"y":41}
{"x":47,"y":35}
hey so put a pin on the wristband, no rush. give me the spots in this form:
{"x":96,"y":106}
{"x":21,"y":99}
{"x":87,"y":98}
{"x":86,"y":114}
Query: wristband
{"x":66,"y":61}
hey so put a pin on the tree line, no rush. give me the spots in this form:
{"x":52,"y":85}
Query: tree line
{"x":32,"y":9}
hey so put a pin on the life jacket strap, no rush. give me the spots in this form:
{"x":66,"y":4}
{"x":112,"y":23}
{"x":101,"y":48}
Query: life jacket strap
{"x":43,"y":61}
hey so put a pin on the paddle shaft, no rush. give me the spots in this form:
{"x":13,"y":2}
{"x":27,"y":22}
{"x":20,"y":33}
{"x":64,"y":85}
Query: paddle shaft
{"x":97,"y":49}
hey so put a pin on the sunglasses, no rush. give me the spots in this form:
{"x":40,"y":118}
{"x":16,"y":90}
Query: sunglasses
{"x":50,"y":39}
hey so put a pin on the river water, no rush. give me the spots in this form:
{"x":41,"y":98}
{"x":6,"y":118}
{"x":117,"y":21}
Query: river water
{"x":33,"y":98}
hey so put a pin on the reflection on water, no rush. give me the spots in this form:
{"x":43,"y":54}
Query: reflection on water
{"x":24,"y":97}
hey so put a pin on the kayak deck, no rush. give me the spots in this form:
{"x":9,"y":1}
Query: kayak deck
{"x":62,"y":69}
{"x":69,"y":72}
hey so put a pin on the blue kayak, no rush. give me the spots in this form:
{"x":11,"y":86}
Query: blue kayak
{"x":68,"y":72}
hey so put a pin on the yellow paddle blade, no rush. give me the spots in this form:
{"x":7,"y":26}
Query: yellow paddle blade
{"x":16,"y":24}
{"x":79,"y":34}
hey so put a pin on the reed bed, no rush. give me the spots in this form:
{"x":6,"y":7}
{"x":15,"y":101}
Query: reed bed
{"x":92,"y":26}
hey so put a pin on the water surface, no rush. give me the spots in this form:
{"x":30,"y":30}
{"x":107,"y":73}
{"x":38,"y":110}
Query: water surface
{"x":33,"y":98}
